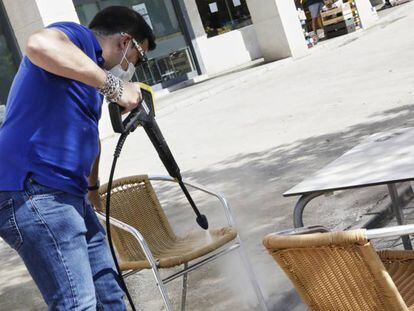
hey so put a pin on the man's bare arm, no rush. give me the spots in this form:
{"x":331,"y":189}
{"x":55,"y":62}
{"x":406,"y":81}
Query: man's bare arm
{"x":52,"y":50}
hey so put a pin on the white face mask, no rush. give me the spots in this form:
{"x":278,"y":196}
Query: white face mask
{"x":124,"y":75}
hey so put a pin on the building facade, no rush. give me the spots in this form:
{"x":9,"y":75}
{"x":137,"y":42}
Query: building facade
{"x":10,"y":55}
{"x":194,"y":37}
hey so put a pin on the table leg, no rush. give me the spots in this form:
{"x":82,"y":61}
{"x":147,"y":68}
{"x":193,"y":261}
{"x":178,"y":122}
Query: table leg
{"x":398,"y":212}
{"x":300,"y":207}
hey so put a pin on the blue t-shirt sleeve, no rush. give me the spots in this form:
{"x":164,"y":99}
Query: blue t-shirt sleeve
{"x":78,"y":34}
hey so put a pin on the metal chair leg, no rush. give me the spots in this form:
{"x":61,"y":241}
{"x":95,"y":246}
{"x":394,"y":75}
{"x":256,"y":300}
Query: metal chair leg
{"x":252,"y":276}
{"x":163,"y":290}
{"x":184,"y":292}
{"x":399,"y":214}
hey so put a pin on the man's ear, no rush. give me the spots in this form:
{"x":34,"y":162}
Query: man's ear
{"x":123,"y":43}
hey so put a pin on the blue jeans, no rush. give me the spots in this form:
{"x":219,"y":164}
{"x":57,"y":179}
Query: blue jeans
{"x":63,"y":246}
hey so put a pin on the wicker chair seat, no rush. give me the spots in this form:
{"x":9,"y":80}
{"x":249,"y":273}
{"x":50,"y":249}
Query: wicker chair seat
{"x":135,"y":203}
{"x":185,"y":249}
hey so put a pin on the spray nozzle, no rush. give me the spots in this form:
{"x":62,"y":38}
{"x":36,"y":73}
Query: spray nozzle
{"x":202,"y":221}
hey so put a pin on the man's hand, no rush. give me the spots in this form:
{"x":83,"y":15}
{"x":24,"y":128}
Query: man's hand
{"x":93,"y":197}
{"x":131,"y":97}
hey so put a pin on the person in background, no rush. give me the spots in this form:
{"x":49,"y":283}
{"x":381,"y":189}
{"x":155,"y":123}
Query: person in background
{"x":315,"y":8}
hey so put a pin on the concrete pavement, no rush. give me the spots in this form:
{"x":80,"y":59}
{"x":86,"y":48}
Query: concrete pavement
{"x":254,"y":134}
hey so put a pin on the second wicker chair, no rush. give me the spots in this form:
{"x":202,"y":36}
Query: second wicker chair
{"x":342,"y":271}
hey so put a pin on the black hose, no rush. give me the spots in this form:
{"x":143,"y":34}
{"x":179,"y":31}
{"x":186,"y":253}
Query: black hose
{"x":117,"y":153}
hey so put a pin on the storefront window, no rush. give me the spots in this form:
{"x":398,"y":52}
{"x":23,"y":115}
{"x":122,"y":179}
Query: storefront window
{"x":8,"y":66}
{"x":221,"y":16}
{"x":171,"y":60}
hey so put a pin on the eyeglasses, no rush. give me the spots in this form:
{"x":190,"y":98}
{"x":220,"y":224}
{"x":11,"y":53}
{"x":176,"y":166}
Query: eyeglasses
{"x":142,"y":55}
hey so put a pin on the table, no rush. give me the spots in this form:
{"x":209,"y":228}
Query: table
{"x":385,"y":158}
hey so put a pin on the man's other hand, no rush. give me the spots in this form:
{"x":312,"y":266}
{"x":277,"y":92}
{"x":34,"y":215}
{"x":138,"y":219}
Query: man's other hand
{"x":93,"y":197}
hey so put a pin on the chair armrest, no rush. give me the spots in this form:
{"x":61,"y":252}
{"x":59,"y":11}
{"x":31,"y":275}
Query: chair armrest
{"x":303,"y":230}
{"x":213,"y":193}
{"x":389,"y":232}
{"x":135,"y":233}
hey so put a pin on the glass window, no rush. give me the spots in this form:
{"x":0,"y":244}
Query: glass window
{"x":86,"y":12}
{"x":221,"y":16}
{"x":172,"y":58}
{"x":8,"y":67}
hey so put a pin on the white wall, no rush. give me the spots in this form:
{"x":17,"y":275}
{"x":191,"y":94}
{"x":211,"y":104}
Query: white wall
{"x":278,"y":29}
{"x":27,"y":16}
{"x":56,"y":11}
{"x":366,"y":13}
{"x":229,"y":50}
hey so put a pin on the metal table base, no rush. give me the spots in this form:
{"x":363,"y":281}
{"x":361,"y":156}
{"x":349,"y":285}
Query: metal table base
{"x":396,"y":206}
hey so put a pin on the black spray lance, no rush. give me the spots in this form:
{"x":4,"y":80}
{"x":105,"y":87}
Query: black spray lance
{"x":142,"y":115}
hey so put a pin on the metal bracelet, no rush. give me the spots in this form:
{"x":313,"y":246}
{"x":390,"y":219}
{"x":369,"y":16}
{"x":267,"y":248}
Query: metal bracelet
{"x":112,"y":89}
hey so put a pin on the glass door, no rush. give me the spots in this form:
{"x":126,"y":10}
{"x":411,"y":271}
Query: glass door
{"x":172,"y":60}
{"x":9,"y":57}
{"x":221,"y":16}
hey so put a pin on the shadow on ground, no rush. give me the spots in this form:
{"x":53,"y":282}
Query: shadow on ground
{"x":17,"y":290}
{"x":257,"y":212}
{"x":273,"y":172}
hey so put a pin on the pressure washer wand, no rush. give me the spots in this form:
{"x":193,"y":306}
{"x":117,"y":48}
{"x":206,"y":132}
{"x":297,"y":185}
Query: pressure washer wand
{"x":142,"y":116}
{"x":154,"y":133}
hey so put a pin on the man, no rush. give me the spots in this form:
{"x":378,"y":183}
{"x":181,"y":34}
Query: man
{"x":315,"y":8}
{"x":49,"y":154}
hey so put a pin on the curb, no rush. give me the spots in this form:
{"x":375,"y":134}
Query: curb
{"x":383,"y":215}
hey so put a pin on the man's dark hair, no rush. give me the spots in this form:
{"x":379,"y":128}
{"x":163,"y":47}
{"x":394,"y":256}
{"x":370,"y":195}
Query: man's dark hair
{"x":116,"y":19}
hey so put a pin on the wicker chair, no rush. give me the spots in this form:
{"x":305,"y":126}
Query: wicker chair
{"x":342,"y":271}
{"x":144,"y":239}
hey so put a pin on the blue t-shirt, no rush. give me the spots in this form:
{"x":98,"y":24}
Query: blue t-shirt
{"x":51,"y":124}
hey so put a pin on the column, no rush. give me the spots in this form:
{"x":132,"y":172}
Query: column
{"x":278,"y":29}
{"x":27,"y":16}
{"x":367,"y":13}
{"x":195,"y":28}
